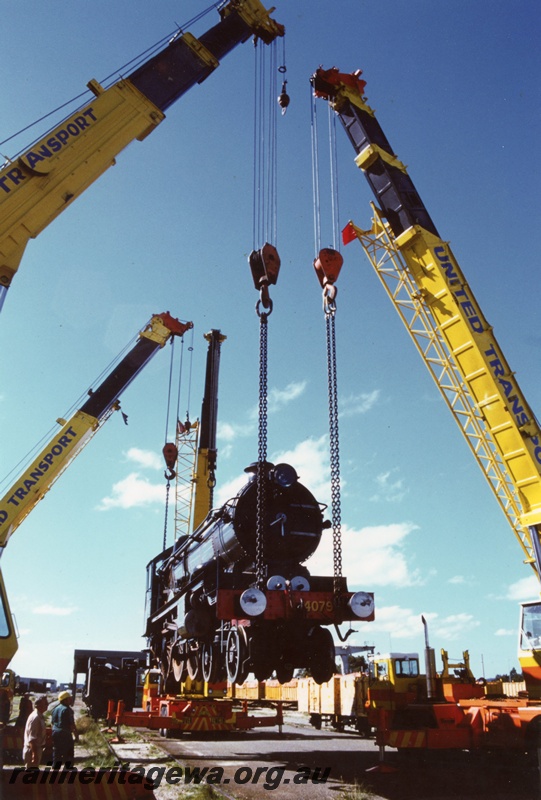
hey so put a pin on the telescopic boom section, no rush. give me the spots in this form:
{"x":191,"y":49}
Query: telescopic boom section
{"x":37,"y":186}
{"x":60,"y":451}
{"x":205,"y":468}
{"x":509,"y":421}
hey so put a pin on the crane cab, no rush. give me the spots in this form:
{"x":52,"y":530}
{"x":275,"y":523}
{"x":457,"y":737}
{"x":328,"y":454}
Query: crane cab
{"x":529,"y":653}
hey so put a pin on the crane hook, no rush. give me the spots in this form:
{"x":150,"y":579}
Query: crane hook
{"x":283,"y":98}
{"x":327,"y":266}
{"x":170,"y":454}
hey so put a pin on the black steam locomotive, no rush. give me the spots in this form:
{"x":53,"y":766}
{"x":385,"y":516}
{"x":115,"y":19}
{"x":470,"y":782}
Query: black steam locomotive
{"x":208,"y":614}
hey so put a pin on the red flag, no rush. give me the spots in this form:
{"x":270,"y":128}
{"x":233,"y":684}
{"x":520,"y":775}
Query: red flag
{"x":348,"y":234}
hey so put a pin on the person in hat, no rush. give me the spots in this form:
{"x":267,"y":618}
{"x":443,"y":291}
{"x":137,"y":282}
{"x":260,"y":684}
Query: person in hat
{"x":63,"y":725}
{"x":35,"y":733}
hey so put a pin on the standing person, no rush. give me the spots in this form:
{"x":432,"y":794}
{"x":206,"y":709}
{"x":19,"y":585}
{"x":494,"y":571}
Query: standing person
{"x":34,"y":733}
{"x":25,"y":709}
{"x":63,"y":724}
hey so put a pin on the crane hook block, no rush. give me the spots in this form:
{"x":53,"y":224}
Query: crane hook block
{"x":265,"y":265}
{"x":283,"y":98}
{"x":328,"y":265}
{"x":170,"y":454}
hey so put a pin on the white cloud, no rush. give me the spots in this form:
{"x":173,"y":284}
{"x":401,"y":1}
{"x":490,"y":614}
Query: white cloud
{"x":358,"y":404}
{"x":505,"y":632}
{"x":228,"y":432}
{"x":278,"y":398}
{"x":524,"y":589}
{"x":55,"y":611}
{"x":390,"y":489}
{"x":453,"y":626}
{"x":133,"y":491}
{"x":403,"y":623}
{"x":311,"y":460}
{"x":371,"y":556}
{"x":225,"y":431}
{"x":228,"y":490}
{"x":400,"y":623}
{"x":145,"y":458}
{"x":457,"y":579}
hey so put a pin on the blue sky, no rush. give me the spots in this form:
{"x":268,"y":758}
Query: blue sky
{"x":456,"y":89}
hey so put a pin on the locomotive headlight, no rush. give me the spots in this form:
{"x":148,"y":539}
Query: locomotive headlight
{"x":253,"y":602}
{"x":276,"y":582}
{"x":362,"y":604}
{"x":300,"y":584}
{"x":284,"y":475}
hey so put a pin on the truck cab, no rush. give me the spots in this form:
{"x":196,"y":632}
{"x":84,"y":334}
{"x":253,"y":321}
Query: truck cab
{"x":396,"y":680}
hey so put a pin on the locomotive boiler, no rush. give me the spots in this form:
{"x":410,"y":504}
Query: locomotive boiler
{"x":233,"y":597}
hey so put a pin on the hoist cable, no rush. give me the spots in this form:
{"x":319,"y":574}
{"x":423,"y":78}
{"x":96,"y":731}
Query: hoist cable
{"x":255,"y":155}
{"x":258,"y":198}
{"x":265,"y":179}
{"x":180,"y":373}
{"x":165,"y":521}
{"x":335,"y":214}
{"x":26,"y":459}
{"x":190,"y":368}
{"x":106,"y":82}
{"x":272,"y":157}
{"x":169,"y":388}
{"x":315,"y":177}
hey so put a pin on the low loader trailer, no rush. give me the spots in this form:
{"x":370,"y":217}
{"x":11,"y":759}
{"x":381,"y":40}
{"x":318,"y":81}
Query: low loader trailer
{"x":176,"y":715}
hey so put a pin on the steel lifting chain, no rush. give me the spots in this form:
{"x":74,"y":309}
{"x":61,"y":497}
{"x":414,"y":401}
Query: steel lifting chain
{"x":265,"y":266}
{"x":329,"y":306}
{"x":211,"y":484}
{"x":260,"y":569}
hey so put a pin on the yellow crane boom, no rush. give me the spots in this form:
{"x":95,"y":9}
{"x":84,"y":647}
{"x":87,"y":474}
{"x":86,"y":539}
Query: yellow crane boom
{"x":435,"y":302}
{"x":59,"y":452}
{"x":38,"y":185}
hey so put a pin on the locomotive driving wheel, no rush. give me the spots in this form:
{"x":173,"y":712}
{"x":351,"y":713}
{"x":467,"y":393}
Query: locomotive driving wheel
{"x":179,"y":662}
{"x":209,"y":660}
{"x":284,"y":671}
{"x":193,"y":661}
{"x":322,"y":654}
{"x":163,"y":653}
{"x":237,"y":655}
